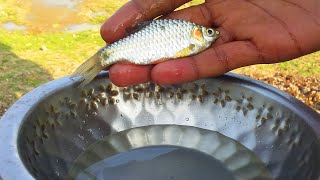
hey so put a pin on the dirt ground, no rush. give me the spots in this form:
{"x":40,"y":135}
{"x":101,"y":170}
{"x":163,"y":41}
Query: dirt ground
{"x":306,"y":89}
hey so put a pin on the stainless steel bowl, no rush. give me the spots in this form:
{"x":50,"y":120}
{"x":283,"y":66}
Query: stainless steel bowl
{"x":44,"y":132}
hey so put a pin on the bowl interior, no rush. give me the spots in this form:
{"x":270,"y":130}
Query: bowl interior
{"x":271,"y":125}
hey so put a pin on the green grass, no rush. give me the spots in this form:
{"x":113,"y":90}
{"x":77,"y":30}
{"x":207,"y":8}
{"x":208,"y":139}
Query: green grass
{"x":64,"y":51}
{"x":24,"y":65}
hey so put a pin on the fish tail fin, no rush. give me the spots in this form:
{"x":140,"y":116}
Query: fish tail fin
{"x":89,"y":69}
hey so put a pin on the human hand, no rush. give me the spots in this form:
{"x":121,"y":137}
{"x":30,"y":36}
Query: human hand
{"x":251,"y":32}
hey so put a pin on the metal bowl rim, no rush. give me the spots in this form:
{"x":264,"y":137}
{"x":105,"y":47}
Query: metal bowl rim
{"x":10,"y":123}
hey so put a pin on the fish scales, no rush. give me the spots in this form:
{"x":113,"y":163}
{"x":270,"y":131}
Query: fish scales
{"x":155,"y":42}
{"x":159,"y":40}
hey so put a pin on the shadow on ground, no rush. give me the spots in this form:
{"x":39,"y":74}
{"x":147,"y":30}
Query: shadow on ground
{"x":17,"y":77}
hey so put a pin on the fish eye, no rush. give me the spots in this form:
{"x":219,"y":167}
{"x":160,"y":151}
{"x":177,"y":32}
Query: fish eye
{"x":210,"y":32}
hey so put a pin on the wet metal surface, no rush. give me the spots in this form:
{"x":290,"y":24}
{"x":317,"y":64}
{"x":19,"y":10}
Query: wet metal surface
{"x":51,"y":126}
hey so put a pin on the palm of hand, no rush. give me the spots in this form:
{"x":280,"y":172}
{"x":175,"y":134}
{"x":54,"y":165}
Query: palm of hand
{"x":277,"y":30}
{"x":252,"y":32}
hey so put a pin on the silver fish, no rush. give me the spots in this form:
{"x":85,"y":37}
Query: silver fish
{"x":155,"y":42}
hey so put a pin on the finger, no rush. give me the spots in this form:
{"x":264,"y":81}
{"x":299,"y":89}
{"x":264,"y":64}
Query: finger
{"x":133,"y":12}
{"x":213,"y":62}
{"x":129,"y":74}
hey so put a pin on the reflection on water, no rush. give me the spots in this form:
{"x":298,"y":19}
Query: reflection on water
{"x":100,"y":13}
{"x":10,"y":26}
{"x":82,"y":27}
{"x":37,"y":16}
{"x":149,"y":152}
{"x":63,"y":3}
{"x":51,"y":15}
{"x":158,"y":163}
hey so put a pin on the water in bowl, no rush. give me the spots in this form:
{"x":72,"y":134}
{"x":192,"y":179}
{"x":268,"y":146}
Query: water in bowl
{"x":172,"y":152}
{"x":161,"y":162}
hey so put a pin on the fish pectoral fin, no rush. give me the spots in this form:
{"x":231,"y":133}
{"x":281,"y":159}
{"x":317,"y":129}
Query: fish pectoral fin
{"x":197,"y":34}
{"x":185,"y":52}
